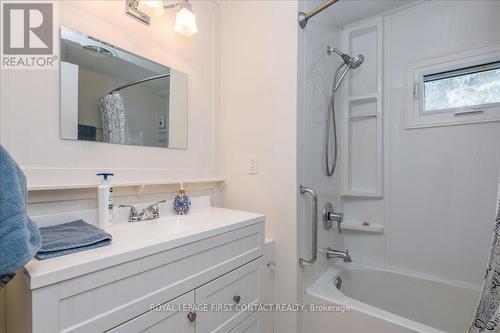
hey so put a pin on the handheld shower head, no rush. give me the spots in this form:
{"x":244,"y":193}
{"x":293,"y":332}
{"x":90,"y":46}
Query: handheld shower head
{"x":348,"y":63}
{"x":356,"y":61}
{"x":352,"y":62}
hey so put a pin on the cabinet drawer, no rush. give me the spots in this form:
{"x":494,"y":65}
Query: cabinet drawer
{"x":102,"y":300}
{"x":240,"y":287}
{"x":252,"y":324}
{"x":167,"y":319}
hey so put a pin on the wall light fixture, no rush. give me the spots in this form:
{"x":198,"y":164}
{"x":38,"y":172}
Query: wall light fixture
{"x":185,"y":19}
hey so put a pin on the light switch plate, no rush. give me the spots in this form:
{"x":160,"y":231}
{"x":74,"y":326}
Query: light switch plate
{"x":252,"y":165}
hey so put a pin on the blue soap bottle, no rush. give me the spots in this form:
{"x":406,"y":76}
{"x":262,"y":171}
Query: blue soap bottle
{"x":182,"y":203}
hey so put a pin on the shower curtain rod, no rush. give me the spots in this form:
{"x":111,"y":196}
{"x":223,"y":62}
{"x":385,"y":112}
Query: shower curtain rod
{"x":140,"y":81}
{"x":303,"y":17}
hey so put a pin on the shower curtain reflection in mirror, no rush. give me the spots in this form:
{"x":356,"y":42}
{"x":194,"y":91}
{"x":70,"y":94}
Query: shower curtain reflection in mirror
{"x":114,"y":120}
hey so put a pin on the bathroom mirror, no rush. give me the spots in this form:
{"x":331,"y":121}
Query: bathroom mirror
{"x":114,"y":96}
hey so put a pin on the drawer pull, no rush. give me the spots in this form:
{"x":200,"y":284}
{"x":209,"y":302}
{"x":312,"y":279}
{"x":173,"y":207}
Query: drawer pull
{"x":191,"y":316}
{"x":236,"y":299}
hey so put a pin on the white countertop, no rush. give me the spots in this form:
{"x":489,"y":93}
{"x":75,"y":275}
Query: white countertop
{"x":135,"y":240}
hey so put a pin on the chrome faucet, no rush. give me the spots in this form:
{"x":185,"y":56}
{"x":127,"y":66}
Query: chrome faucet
{"x":329,"y":216}
{"x":149,"y":213}
{"x":331,"y":253}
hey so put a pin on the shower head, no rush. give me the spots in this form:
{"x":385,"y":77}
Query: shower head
{"x":356,"y":61}
{"x":352,"y":62}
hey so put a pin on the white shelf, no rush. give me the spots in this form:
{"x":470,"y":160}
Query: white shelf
{"x":124,"y":184}
{"x":361,"y":145}
{"x":358,"y":226}
{"x":363,"y":97}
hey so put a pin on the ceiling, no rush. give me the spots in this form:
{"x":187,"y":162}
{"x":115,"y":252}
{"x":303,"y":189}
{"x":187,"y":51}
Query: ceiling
{"x":349,"y":11}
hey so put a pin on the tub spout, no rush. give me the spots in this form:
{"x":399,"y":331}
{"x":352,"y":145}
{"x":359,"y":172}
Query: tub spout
{"x":331,"y":253}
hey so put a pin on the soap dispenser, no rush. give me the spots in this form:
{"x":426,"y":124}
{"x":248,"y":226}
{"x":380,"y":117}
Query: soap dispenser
{"x":182,"y":203}
{"x":105,"y":201}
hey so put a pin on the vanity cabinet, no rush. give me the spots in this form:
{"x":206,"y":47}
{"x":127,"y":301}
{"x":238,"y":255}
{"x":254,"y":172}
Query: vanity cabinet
{"x":242,"y":287}
{"x":114,"y":288}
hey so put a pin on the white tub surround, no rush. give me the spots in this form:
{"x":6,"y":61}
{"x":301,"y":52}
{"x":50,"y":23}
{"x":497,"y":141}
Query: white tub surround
{"x":390,"y":301}
{"x":212,"y":255}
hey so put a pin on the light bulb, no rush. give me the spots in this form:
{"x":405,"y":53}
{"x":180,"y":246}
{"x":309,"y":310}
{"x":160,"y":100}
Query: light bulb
{"x":152,"y":3}
{"x":185,"y":22}
{"x":152,"y":8}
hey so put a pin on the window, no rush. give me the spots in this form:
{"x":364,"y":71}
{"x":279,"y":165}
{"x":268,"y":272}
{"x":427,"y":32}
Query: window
{"x":454,"y":89}
{"x":466,"y":88}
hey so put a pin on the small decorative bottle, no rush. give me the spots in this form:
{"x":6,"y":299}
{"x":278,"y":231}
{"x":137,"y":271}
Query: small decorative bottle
{"x":182,"y":203}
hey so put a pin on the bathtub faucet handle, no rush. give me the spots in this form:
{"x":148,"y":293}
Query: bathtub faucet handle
{"x":329,"y":216}
{"x":339,"y":220}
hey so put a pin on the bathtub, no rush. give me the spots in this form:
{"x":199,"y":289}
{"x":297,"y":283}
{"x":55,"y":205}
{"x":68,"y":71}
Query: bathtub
{"x":376,"y":300}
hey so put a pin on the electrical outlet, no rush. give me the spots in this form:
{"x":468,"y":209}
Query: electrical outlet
{"x":252,"y":165}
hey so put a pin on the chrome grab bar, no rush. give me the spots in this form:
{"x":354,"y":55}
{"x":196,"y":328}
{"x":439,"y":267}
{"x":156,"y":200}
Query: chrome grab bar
{"x":314,"y":245}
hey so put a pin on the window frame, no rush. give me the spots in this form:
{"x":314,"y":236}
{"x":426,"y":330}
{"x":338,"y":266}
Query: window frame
{"x":416,"y":117}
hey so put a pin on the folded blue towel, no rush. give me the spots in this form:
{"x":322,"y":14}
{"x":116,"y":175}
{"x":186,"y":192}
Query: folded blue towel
{"x":76,"y":236}
{"x":19,"y":236}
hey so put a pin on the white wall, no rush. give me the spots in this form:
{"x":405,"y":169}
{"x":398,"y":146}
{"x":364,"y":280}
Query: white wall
{"x":30,"y":101}
{"x":69,"y":100}
{"x":440,"y":183}
{"x":259,"y":117}
{"x":177,"y":117}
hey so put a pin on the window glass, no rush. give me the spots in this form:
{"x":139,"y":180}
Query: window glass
{"x":472,"y":86}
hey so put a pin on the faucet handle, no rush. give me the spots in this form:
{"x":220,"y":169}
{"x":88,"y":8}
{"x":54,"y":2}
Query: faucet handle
{"x":339,"y":222}
{"x":330,"y":216}
{"x":152,"y":211}
{"x":154,"y":207}
{"x":133,"y":215}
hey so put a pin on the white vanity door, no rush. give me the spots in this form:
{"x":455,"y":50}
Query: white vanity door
{"x":240,"y":287}
{"x":252,"y":324}
{"x":167,"y":319}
